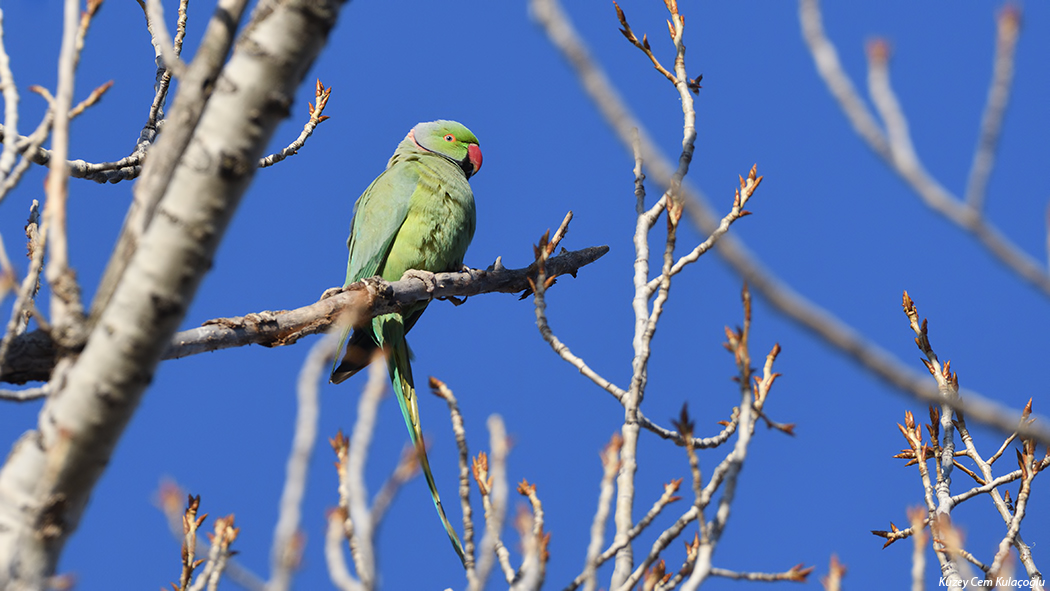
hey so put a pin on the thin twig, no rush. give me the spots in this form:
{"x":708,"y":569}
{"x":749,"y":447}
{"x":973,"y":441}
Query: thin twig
{"x":538,"y":287}
{"x":441,"y":390}
{"x":899,"y":154}
{"x":662,"y":541}
{"x":407,"y":468}
{"x":665,"y":499}
{"x":645,"y":320}
{"x":836,"y":571}
{"x":738,"y":344}
{"x":534,"y":542}
{"x":161,"y":85}
{"x":642,"y":45}
{"x":1029,"y":468}
{"x":1008,"y":29}
{"x":913,"y":435}
{"x":26,"y":146}
{"x":126,"y":168}
{"x":190,"y":523}
{"x":193,"y":94}
{"x":994,"y":484}
{"x":796,"y":574}
{"x":917,"y":518}
{"x":66,"y":305}
{"x":285,"y":553}
{"x":610,"y":456}
{"x":362,"y":543}
{"x":743,"y":194}
{"x":30,"y":285}
{"x":779,"y":294}
{"x":948,"y":385}
{"x":565,"y":353}
{"x":321,"y":95}
{"x":10,"y":93}
{"x":170,"y":499}
{"x":218,"y":558}
{"x":495,"y":502}
{"x":826,"y":58}
{"x":990,"y":485}
{"x":162,"y":38}
{"x":563,"y":229}
{"x":27,"y":394}
{"x":493,"y":521}
{"x":91,"y":100}
{"x":338,"y":572}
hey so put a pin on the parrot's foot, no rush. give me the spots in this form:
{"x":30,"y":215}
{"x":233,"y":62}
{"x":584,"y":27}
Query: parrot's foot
{"x":331,"y":292}
{"x":475,"y":274}
{"x":425,"y":276}
{"x":455,"y":301}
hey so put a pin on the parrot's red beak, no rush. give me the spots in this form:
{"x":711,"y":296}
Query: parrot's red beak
{"x":474,"y":155}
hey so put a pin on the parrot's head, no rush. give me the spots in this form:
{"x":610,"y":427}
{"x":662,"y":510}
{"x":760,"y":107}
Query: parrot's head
{"x":451,"y":140}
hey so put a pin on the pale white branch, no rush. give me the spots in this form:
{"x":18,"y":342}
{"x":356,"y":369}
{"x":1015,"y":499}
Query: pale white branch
{"x":287,"y":539}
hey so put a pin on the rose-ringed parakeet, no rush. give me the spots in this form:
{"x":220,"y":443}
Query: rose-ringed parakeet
{"x":418,"y":214}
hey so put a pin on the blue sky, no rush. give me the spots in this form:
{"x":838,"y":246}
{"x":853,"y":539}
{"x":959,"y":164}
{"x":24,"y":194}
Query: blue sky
{"x":829,"y":218}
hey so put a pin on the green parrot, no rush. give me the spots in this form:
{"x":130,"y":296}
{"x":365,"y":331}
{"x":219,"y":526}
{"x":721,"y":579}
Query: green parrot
{"x":418,"y":214}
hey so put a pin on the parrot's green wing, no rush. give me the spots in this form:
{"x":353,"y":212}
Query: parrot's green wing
{"x":378,"y":216}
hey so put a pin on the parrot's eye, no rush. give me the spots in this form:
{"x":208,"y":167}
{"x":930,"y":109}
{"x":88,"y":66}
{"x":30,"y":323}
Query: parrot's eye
{"x":450,"y":138}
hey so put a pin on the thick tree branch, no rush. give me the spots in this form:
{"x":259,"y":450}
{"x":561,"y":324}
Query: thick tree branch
{"x":191,"y":98}
{"x":50,"y":472}
{"x":31,"y":356}
{"x":367,"y":298}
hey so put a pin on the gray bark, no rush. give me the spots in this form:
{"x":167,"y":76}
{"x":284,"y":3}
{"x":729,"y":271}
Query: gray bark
{"x":50,"y":473}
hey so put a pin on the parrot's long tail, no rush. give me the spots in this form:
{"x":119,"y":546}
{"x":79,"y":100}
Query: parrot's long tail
{"x":391,"y":327}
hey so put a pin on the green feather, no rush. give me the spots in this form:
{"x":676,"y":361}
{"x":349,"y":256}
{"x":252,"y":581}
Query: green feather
{"x":391,"y":330}
{"x":418,"y":214}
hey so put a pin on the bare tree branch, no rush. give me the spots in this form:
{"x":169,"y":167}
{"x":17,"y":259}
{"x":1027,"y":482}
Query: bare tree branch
{"x":191,"y":99}
{"x":321,"y":95}
{"x":494,"y":502}
{"x":31,"y":356}
{"x":285,"y":553}
{"x":50,"y":472}
{"x":777,"y":292}
{"x":1009,"y":28}
{"x":10,"y":93}
{"x":896,"y":150}
{"x":27,"y":291}
{"x":67,"y":309}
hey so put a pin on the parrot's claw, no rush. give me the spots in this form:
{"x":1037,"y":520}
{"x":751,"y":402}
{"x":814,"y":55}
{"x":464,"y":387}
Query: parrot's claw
{"x":455,"y":301}
{"x":331,"y":292}
{"x":475,"y":274}
{"x":425,"y":276}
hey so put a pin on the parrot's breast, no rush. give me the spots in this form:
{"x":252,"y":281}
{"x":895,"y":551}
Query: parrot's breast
{"x":439,"y":225}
